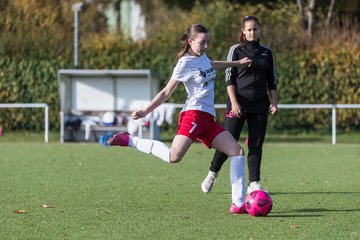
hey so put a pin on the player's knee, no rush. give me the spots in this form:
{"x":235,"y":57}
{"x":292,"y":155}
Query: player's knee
{"x":175,"y":158}
{"x":242,"y":152}
{"x":237,"y":151}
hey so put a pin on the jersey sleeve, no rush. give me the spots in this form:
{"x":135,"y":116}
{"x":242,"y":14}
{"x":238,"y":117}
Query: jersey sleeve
{"x":271,"y":75}
{"x":231,"y":73}
{"x":181,"y":71}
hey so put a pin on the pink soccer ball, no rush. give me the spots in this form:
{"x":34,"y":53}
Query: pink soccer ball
{"x":258,"y":203}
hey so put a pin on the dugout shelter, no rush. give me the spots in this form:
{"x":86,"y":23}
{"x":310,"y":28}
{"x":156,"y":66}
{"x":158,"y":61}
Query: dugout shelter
{"x":89,"y":98}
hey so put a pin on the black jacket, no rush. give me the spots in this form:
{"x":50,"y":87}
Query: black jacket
{"x":252,"y":83}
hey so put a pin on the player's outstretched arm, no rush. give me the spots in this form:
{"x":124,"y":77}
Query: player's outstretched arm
{"x":159,"y":99}
{"x":226,"y":64}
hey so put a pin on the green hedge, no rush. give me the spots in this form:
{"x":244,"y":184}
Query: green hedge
{"x":25,"y":80}
{"x":322,"y":74}
{"x":303,"y":78}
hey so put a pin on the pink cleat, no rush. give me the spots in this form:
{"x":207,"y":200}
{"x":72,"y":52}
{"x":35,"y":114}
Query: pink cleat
{"x":237,"y":210}
{"x":120,"y":139}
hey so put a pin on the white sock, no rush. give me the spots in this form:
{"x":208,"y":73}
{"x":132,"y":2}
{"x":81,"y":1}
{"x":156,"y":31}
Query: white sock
{"x":237,"y":179}
{"x":154,"y":147}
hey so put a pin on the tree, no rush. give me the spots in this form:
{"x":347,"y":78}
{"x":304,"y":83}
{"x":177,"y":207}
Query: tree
{"x":329,"y":14}
{"x":307,"y":15}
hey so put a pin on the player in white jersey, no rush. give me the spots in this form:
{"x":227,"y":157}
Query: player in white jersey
{"x":198,"y":76}
{"x":197,"y":119}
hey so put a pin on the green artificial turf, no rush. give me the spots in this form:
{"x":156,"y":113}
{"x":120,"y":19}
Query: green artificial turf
{"x":86,"y":191}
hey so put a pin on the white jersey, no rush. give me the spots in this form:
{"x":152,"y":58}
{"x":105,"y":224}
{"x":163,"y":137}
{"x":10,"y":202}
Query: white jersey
{"x":198,"y":76}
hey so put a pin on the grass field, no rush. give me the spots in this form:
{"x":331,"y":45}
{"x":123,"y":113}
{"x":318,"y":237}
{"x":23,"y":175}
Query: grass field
{"x":86,"y":191}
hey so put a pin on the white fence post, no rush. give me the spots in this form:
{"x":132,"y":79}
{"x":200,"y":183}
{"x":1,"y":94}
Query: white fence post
{"x":33,"y":105}
{"x":46,"y":123}
{"x":62,"y":126}
{"x":333,"y":124}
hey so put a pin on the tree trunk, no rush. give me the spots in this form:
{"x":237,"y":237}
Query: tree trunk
{"x":311,"y":19}
{"x":300,"y":4}
{"x":329,"y":15}
{"x":307,"y":15}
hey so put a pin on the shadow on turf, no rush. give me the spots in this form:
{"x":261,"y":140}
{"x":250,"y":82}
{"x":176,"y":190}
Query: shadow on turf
{"x":316,"y":210}
{"x":307,"y":193}
{"x":296,"y":193}
{"x":295,"y":140}
{"x":279,"y":215}
{"x":308,"y":212}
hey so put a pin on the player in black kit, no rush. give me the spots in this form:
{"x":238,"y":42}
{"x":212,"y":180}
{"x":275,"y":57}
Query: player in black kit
{"x":250,"y":89}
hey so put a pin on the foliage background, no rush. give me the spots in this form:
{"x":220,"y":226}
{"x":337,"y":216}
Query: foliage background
{"x":36,"y":40}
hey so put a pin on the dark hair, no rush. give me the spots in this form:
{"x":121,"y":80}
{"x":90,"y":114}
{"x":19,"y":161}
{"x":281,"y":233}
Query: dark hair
{"x":242,"y":37}
{"x":190,"y":33}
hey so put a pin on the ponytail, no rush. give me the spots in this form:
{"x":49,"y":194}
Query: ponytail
{"x":190,"y":33}
{"x":184,"y":48}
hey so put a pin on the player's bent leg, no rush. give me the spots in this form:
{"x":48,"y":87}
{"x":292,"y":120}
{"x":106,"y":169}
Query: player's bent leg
{"x":179,"y":147}
{"x":226,"y":143}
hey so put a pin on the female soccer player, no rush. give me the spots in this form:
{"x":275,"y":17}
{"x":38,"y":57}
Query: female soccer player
{"x":197,"y":119}
{"x":248,"y":89}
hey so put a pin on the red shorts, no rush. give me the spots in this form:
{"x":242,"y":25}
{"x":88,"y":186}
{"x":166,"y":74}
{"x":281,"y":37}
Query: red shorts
{"x":199,"y":125}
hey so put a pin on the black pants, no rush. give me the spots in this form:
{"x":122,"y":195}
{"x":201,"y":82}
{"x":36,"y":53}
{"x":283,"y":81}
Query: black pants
{"x":257,"y":123}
